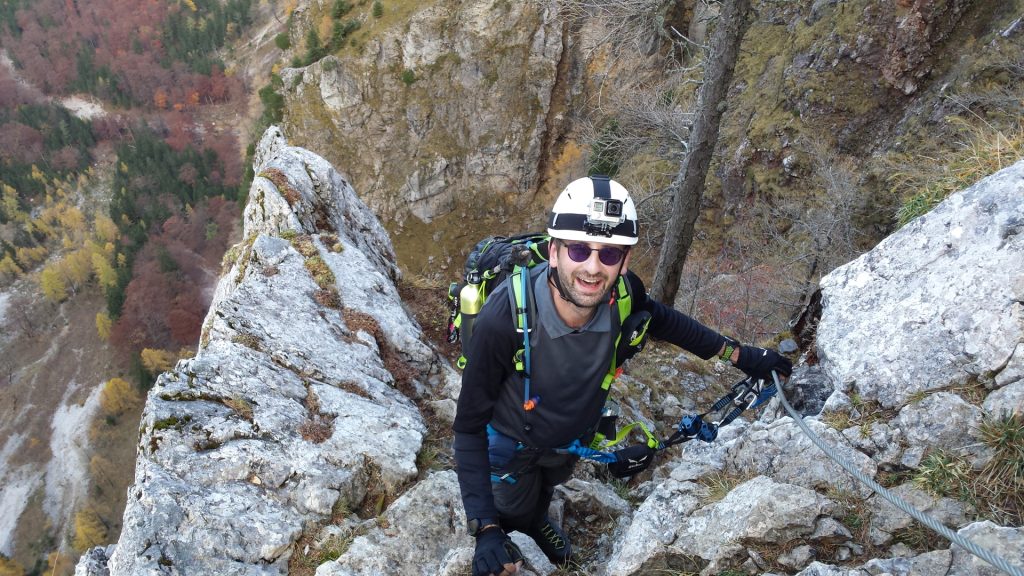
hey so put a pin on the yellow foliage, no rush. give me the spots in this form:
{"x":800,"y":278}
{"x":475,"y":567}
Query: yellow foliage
{"x":103,"y":325}
{"x":156,"y":361}
{"x":71,"y":218}
{"x":38,"y":175}
{"x":28,"y":257}
{"x":42,"y":224}
{"x":117,"y":396}
{"x":9,"y":203}
{"x":9,"y":567}
{"x":104,"y":229}
{"x":89,"y":530}
{"x":77,"y":267}
{"x":8,"y":267}
{"x":51,"y":281}
{"x":105,"y":273}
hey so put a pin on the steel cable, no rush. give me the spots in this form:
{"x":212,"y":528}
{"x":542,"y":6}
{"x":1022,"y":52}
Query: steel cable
{"x":984,"y":554}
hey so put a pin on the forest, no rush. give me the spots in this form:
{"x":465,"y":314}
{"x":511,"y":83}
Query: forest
{"x":152,"y":65}
{"x":137,"y":201}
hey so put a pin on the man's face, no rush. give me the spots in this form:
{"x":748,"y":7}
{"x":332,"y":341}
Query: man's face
{"x":588,"y":281}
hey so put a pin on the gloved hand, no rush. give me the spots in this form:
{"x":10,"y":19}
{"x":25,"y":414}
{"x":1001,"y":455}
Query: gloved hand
{"x":759,"y":363}
{"x":631,"y":460}
{"x":495,"y":554}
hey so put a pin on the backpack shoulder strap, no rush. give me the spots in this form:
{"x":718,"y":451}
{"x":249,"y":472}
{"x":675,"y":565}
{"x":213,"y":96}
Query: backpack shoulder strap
{"x":524,"y":310}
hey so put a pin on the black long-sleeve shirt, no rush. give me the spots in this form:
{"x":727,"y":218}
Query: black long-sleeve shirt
{"x":490,"y":372}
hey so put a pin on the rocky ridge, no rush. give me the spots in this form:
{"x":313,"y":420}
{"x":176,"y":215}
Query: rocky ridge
{"x":311,"y":391}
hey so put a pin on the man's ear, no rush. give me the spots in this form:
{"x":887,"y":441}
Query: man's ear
{"x":553,"y":253}
{"x":625,"y":262}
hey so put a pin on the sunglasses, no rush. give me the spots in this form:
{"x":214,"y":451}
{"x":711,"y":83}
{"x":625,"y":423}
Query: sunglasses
{"x":608,"y":256}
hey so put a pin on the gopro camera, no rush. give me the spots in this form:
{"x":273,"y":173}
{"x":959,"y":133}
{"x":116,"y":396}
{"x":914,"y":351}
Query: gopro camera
{"x":605,"y":212}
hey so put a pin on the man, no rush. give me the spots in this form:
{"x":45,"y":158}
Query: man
{"x":507,"y":440}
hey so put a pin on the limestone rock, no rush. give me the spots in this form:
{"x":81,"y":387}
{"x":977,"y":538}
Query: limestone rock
{"x":784,"y":452}
{"x":886,"y":519}
{"x":942,"y":419}
{"x":291,"y":406}
{"x":1008,"y":543}
{"x":905,"y":318}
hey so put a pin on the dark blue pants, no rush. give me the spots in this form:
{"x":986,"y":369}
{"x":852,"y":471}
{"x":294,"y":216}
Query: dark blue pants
{"x":523,"y":503}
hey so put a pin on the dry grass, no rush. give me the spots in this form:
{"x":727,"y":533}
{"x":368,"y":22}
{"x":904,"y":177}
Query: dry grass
{"x":925,"y":181}
{"x":248,"y":340}
{"x":719,"y":485}
{"x":402,"y":372}
{"x":280,"y":180}
{"x":241,"y":406}
{"x":329,"y":298}
{"x":1000,"y":484}
{"x":316,"y":430}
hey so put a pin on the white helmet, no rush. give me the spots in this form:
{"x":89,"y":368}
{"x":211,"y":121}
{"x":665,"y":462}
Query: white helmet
{"x":594,"y":209}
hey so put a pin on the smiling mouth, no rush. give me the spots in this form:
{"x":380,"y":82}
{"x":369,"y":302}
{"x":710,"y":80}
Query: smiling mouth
{"x":589,"y":285}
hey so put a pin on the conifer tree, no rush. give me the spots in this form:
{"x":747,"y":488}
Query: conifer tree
{"x":117,"y":397}
{"x":89,"y":530}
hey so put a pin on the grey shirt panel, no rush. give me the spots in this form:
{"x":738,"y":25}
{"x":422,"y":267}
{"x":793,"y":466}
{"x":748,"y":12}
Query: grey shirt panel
{"x":567,"y":368}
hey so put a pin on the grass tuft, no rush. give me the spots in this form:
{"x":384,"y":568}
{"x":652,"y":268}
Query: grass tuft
{"x":1001,"y":482}
{"x":944,"y":474}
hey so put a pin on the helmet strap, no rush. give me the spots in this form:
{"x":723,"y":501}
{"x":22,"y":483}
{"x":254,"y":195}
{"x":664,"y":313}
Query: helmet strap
{"x":557,"y":282}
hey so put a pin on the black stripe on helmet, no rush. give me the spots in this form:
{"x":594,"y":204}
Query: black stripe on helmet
{"x":580,"y":223}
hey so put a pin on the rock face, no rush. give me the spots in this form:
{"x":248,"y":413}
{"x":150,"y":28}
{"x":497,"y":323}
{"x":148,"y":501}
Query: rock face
{"x":302,"y":415}
{"x":290,"y":408}
{"x":940,"y":303}
{"x":459,"y":99}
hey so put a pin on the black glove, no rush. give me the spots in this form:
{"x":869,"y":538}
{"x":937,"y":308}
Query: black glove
{"x":493,"y":550}
{"x":631,"y":460}
{"x":759,"y":363}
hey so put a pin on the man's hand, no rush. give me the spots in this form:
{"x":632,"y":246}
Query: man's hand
{"x":760,"y":363}
{"x":496,"y":554}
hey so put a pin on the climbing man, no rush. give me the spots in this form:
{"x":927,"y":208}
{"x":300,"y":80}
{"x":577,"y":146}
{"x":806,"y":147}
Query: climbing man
{"x":516,"y":417}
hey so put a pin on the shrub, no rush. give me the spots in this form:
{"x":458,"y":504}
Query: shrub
{"x":408,"y":77}
{"x":282,"y":41}
{"x":378,"y":9}
{"x":10,"y":567}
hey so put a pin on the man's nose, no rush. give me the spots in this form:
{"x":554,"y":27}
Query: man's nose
{"x":593,"y":262}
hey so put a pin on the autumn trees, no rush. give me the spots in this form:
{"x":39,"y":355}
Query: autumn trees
{"x":126,"y":52}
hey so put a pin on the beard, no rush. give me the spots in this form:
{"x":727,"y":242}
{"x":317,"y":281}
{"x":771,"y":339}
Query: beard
{"x":582,"y":289}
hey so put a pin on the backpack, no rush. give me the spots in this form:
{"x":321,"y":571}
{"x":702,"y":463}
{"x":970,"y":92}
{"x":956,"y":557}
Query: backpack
{"x":496,"y":258}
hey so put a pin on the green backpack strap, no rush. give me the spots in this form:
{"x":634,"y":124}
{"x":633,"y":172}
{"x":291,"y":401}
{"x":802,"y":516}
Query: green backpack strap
{"x":624,"y":303}
{"x":523,"y":307}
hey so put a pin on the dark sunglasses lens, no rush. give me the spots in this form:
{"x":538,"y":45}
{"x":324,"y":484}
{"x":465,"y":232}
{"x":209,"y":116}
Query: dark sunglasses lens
{"x":581,"y":252}
{"x":609,"y":256}
{"x":578,"y":252}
